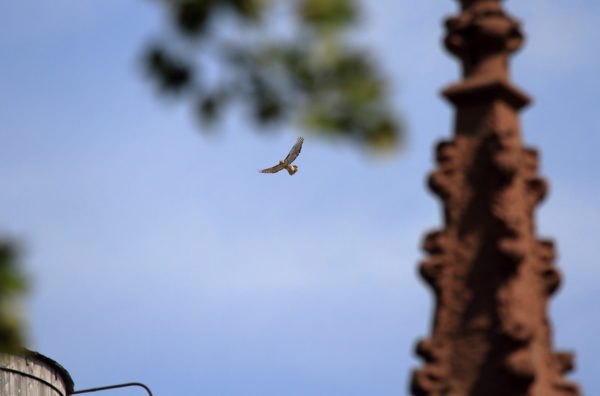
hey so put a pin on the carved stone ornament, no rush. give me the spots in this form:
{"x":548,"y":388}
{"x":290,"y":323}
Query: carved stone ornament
{"x":491,"y":276}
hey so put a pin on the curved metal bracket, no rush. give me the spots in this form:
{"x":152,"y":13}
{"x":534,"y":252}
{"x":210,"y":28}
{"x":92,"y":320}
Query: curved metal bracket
{"x":114,"y":387}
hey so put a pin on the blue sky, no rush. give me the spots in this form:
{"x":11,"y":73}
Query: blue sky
{"x":158,"y":254}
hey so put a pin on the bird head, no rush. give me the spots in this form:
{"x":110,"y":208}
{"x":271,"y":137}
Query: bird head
{"x":292,"y":169}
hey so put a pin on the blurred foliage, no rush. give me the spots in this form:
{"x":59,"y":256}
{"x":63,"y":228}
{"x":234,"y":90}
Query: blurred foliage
{"x":11,"y":286}
{"x":216,"y":52}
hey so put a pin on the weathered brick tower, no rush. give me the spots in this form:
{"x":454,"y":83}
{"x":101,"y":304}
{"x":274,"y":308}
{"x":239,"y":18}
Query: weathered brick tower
{"x":492,"y":277}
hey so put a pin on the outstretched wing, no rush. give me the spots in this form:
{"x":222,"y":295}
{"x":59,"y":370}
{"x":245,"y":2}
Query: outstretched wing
{"x":293,"y":154}
{"x":274,"y":169}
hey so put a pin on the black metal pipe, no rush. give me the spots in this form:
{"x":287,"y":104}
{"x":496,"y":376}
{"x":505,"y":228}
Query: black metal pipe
{"x":114,"y":387}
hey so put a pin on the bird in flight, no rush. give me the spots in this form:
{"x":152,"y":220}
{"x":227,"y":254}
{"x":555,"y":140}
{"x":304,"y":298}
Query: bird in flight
{"x":286,"y":163}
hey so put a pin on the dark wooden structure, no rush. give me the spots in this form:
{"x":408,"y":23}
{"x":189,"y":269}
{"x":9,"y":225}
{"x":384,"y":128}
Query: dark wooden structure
{"x":32,"y":374}
{"x":492,"y":277}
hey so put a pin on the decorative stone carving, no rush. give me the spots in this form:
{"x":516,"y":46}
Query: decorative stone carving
{"x":491,"y":275}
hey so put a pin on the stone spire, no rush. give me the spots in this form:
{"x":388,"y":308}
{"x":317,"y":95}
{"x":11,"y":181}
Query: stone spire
{"x":492,"y":277}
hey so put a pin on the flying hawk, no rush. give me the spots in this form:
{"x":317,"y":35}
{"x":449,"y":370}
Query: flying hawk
{"x":287,"y":162}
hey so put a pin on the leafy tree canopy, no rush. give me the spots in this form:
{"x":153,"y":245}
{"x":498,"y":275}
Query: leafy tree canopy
{"x":11,"y":286}
{"x":290,"y":60}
